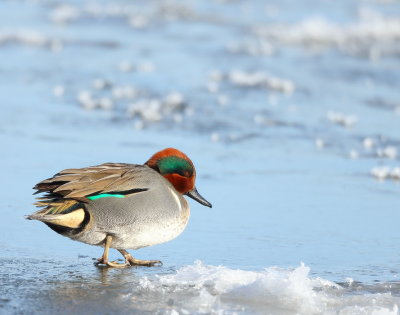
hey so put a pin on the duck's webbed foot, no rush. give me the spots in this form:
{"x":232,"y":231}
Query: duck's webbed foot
{"x":129,"y":259}
{"x":113,"y":264}
{"x":132,"y":261}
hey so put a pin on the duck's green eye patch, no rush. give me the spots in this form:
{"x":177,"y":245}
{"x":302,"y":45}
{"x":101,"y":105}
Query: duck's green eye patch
{"x":175,"y":165}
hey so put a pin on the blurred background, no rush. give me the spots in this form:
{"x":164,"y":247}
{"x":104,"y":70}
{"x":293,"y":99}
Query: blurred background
{"x":290,"y":111}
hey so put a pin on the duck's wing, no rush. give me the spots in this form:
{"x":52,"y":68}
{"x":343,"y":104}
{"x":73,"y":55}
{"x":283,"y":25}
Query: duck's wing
{"x":69,"y":186}
{"x":81,"y":183}
{"x":65,"y":193}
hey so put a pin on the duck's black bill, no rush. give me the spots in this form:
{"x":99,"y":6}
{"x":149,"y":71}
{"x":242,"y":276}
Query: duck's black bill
{"x":194,"y":194}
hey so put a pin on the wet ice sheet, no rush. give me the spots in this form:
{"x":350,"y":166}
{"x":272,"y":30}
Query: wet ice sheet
{"x":67,"y":287}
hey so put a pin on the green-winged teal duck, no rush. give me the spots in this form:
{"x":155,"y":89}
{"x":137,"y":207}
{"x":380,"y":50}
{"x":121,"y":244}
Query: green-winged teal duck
{"x":121,"y":206}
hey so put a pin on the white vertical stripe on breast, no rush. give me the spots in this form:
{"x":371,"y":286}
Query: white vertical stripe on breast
{"x":176,"y":197}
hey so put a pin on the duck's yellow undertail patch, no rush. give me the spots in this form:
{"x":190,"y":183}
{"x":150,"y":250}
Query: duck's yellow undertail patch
{"x":72,"y":220}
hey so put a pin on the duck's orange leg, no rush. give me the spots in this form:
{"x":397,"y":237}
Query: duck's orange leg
{"x":103,"y":260}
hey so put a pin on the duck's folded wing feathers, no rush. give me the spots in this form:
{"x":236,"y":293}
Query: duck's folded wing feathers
{"x":81,"y":183}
